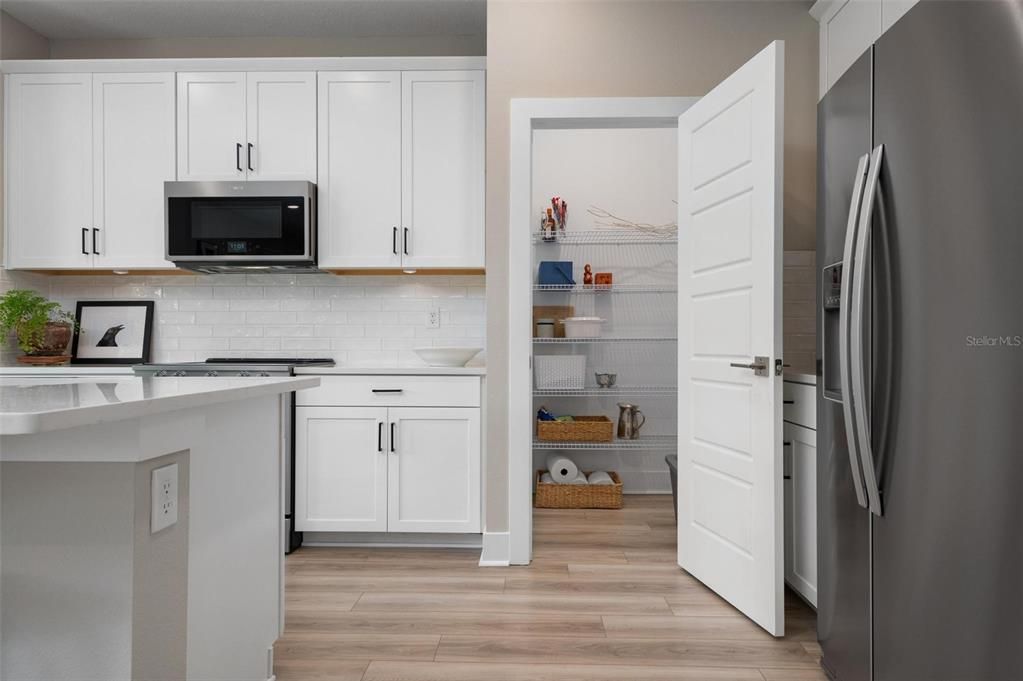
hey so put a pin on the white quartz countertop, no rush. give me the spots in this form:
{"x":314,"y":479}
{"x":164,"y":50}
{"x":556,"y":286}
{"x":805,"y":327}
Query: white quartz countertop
{"x":67,"y":370}
{"x":29,"y":404}
{"x":392,"y":371}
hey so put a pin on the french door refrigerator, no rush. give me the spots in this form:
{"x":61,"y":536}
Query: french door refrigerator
{"x":920,"y":392}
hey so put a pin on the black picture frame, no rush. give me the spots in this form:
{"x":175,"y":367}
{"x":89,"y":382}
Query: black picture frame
{"x":81,"y":313}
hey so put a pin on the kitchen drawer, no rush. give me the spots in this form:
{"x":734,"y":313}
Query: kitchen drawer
{"x":800,"y":404}
{"x":392,"y":391}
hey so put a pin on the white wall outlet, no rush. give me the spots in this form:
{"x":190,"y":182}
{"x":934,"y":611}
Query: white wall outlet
{"x":433,"y":318}
{"x":165,"y":498}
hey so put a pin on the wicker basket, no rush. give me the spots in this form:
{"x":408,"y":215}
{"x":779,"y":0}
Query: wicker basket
{"x":582,"y":429}
{"x":553,"y":495}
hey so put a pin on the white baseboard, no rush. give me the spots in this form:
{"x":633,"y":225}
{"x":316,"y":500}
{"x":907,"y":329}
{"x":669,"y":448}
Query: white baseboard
{"x":496,"y":550}
{"x":392,"y":540}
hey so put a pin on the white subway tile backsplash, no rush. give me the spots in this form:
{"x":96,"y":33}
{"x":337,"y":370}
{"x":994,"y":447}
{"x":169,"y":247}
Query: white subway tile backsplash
{"x":362,"y":321}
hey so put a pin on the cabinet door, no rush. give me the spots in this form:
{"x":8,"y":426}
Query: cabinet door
{"x":281,"y":125}
{"x":211,"y":126}
{"x":434,"y":470}
{"x":133,"y":145}
{"x":49,"y":170}
{"x":340,"y":469}
{"x":443,"y":124}
{"x":801,"y":563}
{"x":848,"y":29}
{"x":359,"y":188}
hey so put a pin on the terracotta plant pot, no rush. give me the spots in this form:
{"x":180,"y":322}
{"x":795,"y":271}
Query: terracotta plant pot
{"x":56,"y":339}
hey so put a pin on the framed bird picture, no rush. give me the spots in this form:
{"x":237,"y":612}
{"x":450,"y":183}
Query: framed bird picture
{"x":113,"y":332}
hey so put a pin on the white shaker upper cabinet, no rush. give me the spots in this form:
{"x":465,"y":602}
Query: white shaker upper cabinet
{"x":281,"y":125}
{"x":49,"y":170}
{"x":134,"y":154}
{"x":359,"y":180}
{"x":211,"y":126}
{"x":443,"y":149}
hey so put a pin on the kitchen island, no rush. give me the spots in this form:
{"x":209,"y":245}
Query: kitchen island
{"x":97,"y":581}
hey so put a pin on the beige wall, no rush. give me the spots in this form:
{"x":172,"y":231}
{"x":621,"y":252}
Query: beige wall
{"x":620,"y":49}
{"x":161,"y":48}
{"x":17,"y":41}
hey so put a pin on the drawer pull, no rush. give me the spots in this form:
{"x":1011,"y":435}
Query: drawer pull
{"x":787,"y":477}
{"x":388,"y":390}
{"x":786,"y":444}
{"x":788,"y":401}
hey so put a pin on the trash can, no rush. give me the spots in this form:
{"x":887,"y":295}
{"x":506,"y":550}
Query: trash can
{"x":672,"y":460}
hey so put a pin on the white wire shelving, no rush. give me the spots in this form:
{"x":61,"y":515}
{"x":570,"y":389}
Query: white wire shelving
{"x":576,"y":289}
{"x":621,"y":339}
{"x":645,"y":442}
{"x":605,"y":236}
{"x":622,"y":391}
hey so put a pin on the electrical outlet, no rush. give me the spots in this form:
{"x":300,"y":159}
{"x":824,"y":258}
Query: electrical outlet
{"x":164,"y":498}
{"x":433,"y":318}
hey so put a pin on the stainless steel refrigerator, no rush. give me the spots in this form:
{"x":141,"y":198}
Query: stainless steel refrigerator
{"x":920,"y":386}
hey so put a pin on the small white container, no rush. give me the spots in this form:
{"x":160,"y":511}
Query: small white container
{"x":545,"y":328}
{"x":583,"y":327}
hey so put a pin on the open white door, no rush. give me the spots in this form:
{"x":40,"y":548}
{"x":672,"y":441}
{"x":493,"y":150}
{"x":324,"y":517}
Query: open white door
{"x":730,"y":515}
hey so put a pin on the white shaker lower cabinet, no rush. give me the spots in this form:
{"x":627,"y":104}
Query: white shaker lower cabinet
{"x":433,"y":475}
{"x":389,"y":454}
{"x":340,"y":469}
{"x":800,"y":452}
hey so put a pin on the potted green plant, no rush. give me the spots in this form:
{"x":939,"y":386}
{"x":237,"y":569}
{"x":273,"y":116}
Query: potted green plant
{"x":43,"y":329}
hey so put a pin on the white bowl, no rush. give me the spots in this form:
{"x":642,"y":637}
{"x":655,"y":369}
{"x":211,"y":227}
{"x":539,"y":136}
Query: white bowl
{"x":447,"y":357}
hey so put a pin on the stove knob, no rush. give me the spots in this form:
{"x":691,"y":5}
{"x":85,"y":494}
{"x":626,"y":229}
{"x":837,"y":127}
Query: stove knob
{"x":212,"y":373}
{"x":264,"y":374}
{"x":244,"y":373}
{"x":180,"y":372}
{"x":161,"y":373}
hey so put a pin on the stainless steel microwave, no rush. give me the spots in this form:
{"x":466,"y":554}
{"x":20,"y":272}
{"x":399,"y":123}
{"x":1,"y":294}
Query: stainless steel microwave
{"x":241,"y":226}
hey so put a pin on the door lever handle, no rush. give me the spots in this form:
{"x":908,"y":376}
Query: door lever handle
{"x":758,"y":365}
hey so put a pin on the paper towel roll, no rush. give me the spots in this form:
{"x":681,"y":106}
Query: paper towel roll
{"x":600,"y":478}
{"x":580,"y":479}
{"x":561,"y":468}
{"x":546,"y":478}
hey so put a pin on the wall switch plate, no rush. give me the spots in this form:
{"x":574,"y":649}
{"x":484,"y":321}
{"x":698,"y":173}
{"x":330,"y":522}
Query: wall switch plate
{"x":164,"y":498}
{"x":433,"y":318}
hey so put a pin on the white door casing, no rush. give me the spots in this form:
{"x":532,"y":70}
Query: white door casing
{"x":48,"y":136}
{"x":341,"y":469}
{"x":134,"y":154}
{"x":359,"y":169}
{"x":730,"y":516}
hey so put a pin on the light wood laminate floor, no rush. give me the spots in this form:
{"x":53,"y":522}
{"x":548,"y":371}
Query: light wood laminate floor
{"x":602,"y":601}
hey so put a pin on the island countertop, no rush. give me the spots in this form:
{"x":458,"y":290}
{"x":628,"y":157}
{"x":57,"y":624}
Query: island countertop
{"x":35,"y":405}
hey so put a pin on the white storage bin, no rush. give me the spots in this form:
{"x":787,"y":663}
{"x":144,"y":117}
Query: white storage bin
{"x":582,"y":327}
{"x":559,"y":372}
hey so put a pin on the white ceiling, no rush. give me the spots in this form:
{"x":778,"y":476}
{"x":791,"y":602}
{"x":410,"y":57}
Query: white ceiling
{"x":133,"y":19}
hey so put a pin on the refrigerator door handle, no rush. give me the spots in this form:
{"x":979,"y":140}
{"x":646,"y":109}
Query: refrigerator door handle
{"x":859,"y":292}
{"x":844,"y":317}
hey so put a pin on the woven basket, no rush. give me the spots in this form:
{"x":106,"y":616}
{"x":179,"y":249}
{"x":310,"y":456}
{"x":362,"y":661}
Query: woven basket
{"x":582,"y":429}
{"x":553,"y":495}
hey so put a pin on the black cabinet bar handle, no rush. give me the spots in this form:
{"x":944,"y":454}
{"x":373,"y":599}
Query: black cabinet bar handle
{"x":786,"y":444}
{"x":388,"y":390}
{"x":394,"y":241}
{"x":787,"y":477}
{"x":380,"y":436}
{"x":788,"y":401}
{"x":95,"y":231}
{"x":392,"y":436}
{"x":85,"y":231}
{"x":250,"y":157}
{"x":238,"y":157}
{"x":405,"y":242}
